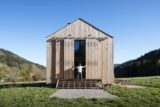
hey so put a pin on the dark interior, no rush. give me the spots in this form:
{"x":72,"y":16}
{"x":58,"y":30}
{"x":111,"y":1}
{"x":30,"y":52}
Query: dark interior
{"x":79,"y":56}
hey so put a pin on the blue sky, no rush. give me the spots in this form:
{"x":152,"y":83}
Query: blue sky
{"x":25,"y":24}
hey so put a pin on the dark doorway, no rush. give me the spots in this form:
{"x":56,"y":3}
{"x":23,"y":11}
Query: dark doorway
{"x":80,"y":56}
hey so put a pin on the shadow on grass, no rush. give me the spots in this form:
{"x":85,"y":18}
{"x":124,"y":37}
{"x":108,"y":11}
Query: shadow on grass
{"x":40,"y":84}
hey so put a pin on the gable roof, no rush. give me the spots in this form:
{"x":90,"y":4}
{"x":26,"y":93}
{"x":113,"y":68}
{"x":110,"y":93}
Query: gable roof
{"x":84,"y":22}
{"x":96,"y":28}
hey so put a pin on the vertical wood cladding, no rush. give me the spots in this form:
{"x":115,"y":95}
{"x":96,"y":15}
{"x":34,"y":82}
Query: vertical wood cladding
{"x":99,"y":54}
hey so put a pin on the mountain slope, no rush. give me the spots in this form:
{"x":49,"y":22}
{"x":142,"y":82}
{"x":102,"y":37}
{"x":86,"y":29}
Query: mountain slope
{"x":146,"y":65}
{"x":116,"y":65}
{"x":16,"y":68}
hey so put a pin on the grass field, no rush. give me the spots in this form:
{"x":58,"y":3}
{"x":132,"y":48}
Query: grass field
{"x":150,"y":81}
{"x":39,"y":97}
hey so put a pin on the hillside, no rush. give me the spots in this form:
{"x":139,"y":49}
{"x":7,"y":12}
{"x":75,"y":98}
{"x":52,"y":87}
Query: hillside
{"x":15,"y":68}
{"x":116,"y":65}
{"x":146,"y":65}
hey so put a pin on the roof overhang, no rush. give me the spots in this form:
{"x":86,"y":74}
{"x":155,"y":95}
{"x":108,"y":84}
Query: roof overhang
{"x":76,"y":38}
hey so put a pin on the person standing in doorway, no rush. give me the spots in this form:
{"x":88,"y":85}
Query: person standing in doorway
{"x":80,"y":68}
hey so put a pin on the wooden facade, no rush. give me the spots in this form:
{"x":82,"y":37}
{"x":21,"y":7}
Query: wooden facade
{"x":99,"y":53}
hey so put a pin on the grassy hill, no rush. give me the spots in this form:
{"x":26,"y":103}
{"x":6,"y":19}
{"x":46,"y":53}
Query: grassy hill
{"x":15,"y":68}
{"x":146,"y":65}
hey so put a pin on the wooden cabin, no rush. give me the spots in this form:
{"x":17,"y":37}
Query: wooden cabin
{"x":80,"y":42}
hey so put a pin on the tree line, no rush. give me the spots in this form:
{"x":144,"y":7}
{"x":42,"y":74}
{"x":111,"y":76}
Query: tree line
{"x":146,"y":65}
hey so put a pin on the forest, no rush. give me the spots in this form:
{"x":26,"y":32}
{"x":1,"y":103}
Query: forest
{"x":146,"y":65}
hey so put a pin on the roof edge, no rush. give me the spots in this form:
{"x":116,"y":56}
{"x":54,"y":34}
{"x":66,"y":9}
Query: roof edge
{"x":95,"y":27}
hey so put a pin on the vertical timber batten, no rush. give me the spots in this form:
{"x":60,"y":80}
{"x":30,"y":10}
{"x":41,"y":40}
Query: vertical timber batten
{"x":68,"y":59}
{"x":57,"y":58}
{"x":91,"y":59}
{"x":111,"y":63}
{"x":104,"y":61}
{"x":49,"y":63}
{"x":88,"y":59}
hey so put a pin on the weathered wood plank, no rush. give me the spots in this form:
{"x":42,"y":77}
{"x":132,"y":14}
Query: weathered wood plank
{"x":68,"y":59}
{"x":77,"y":29}
{"x":79,"y":38}
{"x":50,"y":71}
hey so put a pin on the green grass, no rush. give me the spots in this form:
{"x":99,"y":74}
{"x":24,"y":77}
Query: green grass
{"x":24,"y":97}
{"x":39,"y":97}
{"x":147,"y":77}
{"x":150,"y":82}
{"x":148,"y":97}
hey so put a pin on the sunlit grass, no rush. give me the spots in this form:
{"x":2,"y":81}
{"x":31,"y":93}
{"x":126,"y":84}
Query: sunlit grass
{"x":150,"y":82}
{"x":136,"y":97}
{"x":39,"y":97}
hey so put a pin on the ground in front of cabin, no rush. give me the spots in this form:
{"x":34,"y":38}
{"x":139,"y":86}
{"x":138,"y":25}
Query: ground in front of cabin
{"x":127,"y":97}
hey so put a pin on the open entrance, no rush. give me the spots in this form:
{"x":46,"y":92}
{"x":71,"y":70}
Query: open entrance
{"x":79,"y":56}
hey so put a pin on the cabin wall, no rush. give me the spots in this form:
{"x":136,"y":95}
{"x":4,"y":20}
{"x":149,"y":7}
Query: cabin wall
{"x":99,"y":60}
{"x":105,"y":61}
